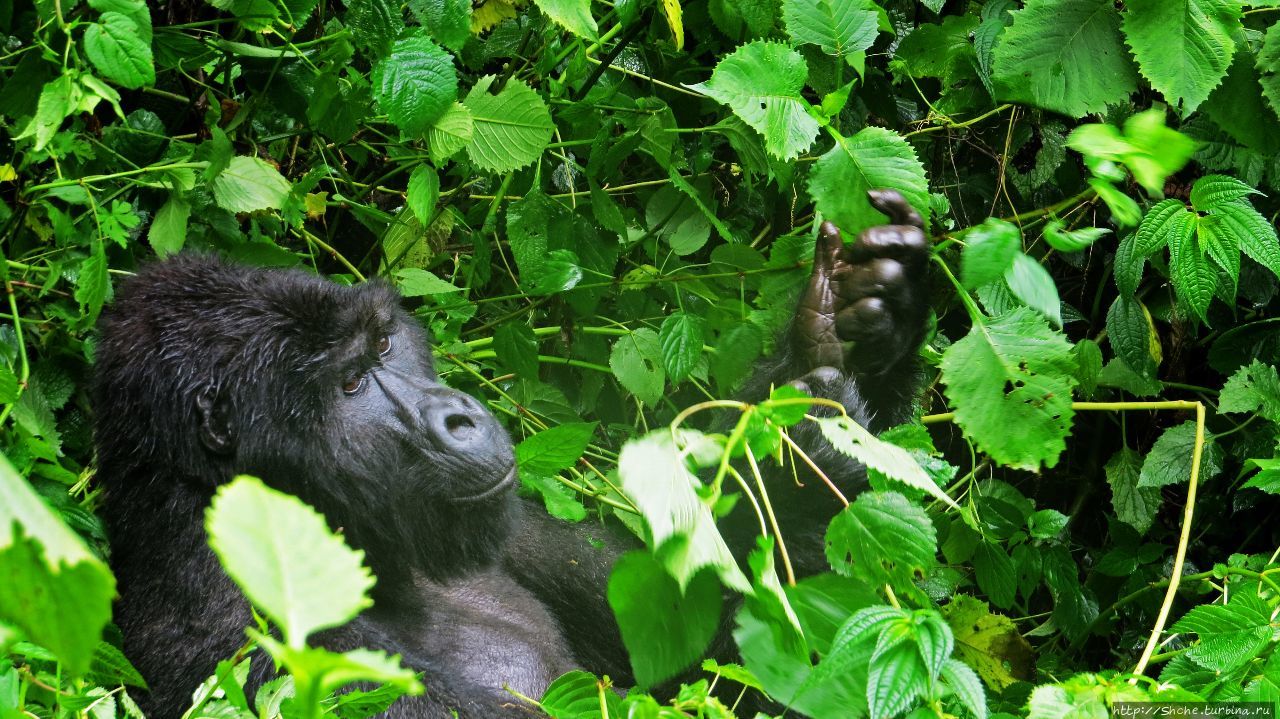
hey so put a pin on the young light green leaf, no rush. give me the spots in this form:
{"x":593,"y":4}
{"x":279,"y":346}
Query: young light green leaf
{"x":417,"y":282}
{"x":286,"y":560}
{"x":40,"y":557}
{"x":1030,"y":282}
{"x":1253,"y":388}
{"x":1124,"y":209}
{"x":1231,"y":635}
{"x":1065,"y":56}
{"x":1071,"y":240}
{"x":115,"y":47}
{"x":1183,"y":48}
{"x":761,"y":82}
{"x":853,"y":440}
{"x":839,"y":27}
{"x":510,"y":129}
{"x":882,"y":537}
{"x":874,"y":158}
{"x":1212,"y":191}
{"x":1013,"y":372}
{"x":1135,"y":506}
{"x":320,"y":672}
{"x":1169,"y":461}
{"x":560,"y":501}
{"x":988,"y":252}
{"x":572,"y":15}
{"x":415,"y":84}
{"x":1193,"y":277}
{"x":168,"y":231}
{"x":577,"y":694}
{"x":423,"y":191}
{"x":451,"y":133}
{"x":1133,"y":335}
{"x":249,"y":184}
{"x":556,"y":449}
{"x":1151,"y":150}
{"x":636,"y":360}
{"x":681,"y":337}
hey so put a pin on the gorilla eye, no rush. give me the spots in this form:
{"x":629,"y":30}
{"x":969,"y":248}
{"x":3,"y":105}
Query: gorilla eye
{"x":384,"y":345}
{"x":353,"y":385}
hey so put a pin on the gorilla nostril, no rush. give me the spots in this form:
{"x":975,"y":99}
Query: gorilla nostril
{"x":459,"y":425}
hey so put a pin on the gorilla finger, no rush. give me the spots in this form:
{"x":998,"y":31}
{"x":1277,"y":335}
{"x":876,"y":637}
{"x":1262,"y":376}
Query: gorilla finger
{"x":827,"y":247}
{"x":881,"y":276}
{"x":867,"y":319}
{"x":893,"y":204}
{"x":901,"y":242}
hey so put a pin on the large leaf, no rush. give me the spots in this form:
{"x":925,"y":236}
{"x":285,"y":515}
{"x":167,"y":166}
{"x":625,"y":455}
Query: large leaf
{"x":872,"y":159}
{"x":572,"y":15}
{"x":285,"y":559}
{"x":1268,"y":66}
{"x":761,"y":83}
{"x":1133,"y":335}
{"x":415,"y":84}
{"x":988,"y":252}
{"x":1251,"y":232}
{"x":52,"y":587}
{"x":1065,"y":56}
{"x":1183,"y":48}
{"x":508,"y":130}
{"x":882,"y":537}
{"x":115,"y":46}
{"x":839,"y":27}
{"x":1193,"y":277}
{"x":250,"y":184}
{"x":1169,"y":461}
{"x":1013,"y":371}
{"x":1030,"y":282}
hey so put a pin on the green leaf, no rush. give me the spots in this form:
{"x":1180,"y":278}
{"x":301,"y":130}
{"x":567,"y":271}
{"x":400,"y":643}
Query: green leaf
{"x":1193,"y":278}
{"x":554,"y":449}
{"x":654,"y":476}
{"x":284,"y":558}
{"x":872,"y":159}
{"x":839,"y":27}
{"x":517,"y":349}
{"x":93,"y":284}
{"x":115,"y":47}
{"x":578,"y":695}
{"x":168,"y":231}
{"x":58,"y":98}
{"x":1030,"y":282}
{"x":1071,"y":240}
{"x":1231,"y":635}
{"x":561,"y":501}
{"x":249,"y":184}
{"x":1165,"y":220}
{"x":990,"y":643}
{"x":853,"y":440}
{"x":510,"y":129}
{"x":448,"y":21}
{"x":1150,"y":150}
{"x":415,"y":84}
{"x":319,"y":672}
{"x":572,"y":15}
{"x":761,"y":82}
{"x":1267,"y":478}
{"x":1169,"y":461}
{"x":664,"y":628}
{"x":1133,"y":335}
{"x":988,"y":252}
{"x":1253,"y":388}
{"x":1250,"y":230}
{"x":882,"y":537}
{"x":417,"y":282}
{"x":996,"y":575}
{"x":1065,"y":56}
{"x":967,"y":686}
{"x":52,"y":587}
{"x":1127,"y":265}
{"x":1182,"y":48}
{"x":1268,"y":66}
{"x":451,"y":133}
{"x":896,"y":679}
{"x":637,"y":362}
{"x":1212,"y":191}
{"x":423,"y":192}
{"x":1135,"y":506}
{"x":1124,"y":210}
{"x":1013,"y":372}
{"x":681,"y":338}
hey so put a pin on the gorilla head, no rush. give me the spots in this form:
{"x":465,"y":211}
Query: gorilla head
{"x":207,"y":369}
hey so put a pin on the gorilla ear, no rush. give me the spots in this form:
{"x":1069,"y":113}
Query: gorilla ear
{"x":215,"y":422}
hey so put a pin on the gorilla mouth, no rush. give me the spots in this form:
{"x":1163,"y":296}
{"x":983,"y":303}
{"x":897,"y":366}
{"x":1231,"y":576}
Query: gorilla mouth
{"x":493,"y":490}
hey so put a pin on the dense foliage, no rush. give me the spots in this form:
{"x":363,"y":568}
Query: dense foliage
{"x":603,"y":212}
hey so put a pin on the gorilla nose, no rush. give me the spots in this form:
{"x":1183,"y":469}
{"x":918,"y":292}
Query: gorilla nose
{"x":455,"y":421}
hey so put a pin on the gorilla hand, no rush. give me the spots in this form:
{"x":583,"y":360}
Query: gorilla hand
{"x":864,"y":307}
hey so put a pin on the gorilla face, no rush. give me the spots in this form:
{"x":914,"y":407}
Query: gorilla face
{"x":327,"y":392}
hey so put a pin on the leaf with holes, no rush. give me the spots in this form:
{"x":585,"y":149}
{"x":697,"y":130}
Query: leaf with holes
{"x":882,"y":538}
{"x":636,"y":360}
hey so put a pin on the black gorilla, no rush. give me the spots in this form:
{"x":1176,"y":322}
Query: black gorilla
{"x":207,"y":369}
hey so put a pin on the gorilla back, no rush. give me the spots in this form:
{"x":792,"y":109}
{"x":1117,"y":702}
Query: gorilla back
{"x":206,"y":370}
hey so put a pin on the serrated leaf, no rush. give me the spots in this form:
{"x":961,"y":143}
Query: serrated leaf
{"x":1268,"y":66}
{"x":967,"y":686}
{"x":1252,"y":388}
{"x":872,"y":159}
{"x":448,"y":21}
{"x":555,"y":449}
{"x":115,"y":47}
{"x":839,"y":27}
{"x":636,"y":360}
{"x":1128,"y":264}
{"x":761,"y":82}
{"x":249,"y":184}
{"x":1135,"y":506}
{"x":1231,"y":635}
{"x":681,"y":338}
{"x":415,"y":84}
{"x":1133,"y":335}
{"x":1065,"y":56}
{"x":572,"y":15}
{"x":1250,"y":229}
{"x":93,"y":283}
{"x":510,"y":129}
{"x":168,"y":231}
{"x":451,"y":133}
{"x":988,"y":253}
{"x":1169,"y":461}
{"x":423,"y":191}
{"x":1163,"y":221}
{"x":1193,"y":278}
{"x":1071,"y":240}
{"x":1013,"y":372}
{"x":853,"y":440}
{"x":991,"y":643}
{"x":1030,"y":282}
{"x":1182,"y":48}
{"x":895,"y":680}
{"x":286,"y":560}
{"x":996,"y":574}
{"x":577,"y":695}
{"x":517,"y":349}
{"x":882,"y":537}
{"x":1211,"y":191}
{"x":417,"y":282}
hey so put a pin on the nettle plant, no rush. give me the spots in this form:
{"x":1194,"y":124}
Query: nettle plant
{"x":603,"y":212}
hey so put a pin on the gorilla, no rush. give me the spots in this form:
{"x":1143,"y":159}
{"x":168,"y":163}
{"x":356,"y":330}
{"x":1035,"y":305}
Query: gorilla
{"x":205,"y":369}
